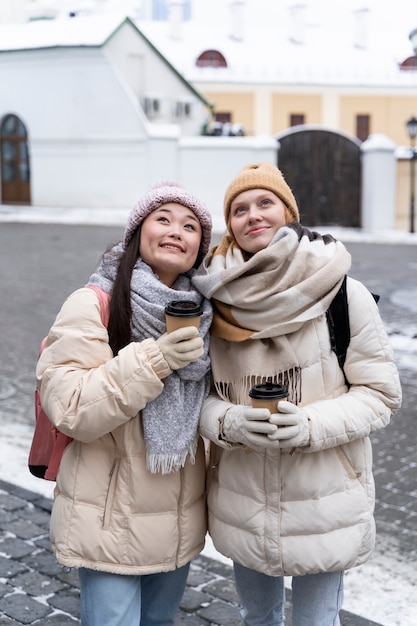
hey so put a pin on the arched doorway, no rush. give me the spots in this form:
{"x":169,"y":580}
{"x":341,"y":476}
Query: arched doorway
{"x":15,"y":167}
{"x":322,"y":168}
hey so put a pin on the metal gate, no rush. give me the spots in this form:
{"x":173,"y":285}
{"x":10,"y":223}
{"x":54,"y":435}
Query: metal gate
{"x":323,"y":170}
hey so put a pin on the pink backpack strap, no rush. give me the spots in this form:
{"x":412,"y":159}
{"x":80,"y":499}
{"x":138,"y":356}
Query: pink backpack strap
{"x":104,"y":300}
{"x":48,"y":444}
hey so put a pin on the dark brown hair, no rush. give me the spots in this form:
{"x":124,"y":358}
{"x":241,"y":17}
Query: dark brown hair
{"x":120,"y":308}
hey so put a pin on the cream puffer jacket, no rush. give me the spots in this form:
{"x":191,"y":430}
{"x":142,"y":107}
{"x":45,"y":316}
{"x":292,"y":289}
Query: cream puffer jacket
{"x":109,"y":512}
{"x":313,"y":511}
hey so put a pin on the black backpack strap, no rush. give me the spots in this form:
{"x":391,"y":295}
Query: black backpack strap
{"x":338,"y":323}
{"x":339,"y":326}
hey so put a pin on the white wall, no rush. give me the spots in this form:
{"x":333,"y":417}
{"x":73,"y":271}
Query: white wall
{"x":209,"y":164}
{"x":115,"y":174}
{"x":87,"y":134}
{"x":12,"y":11}
{"x":90,"y":143}
{"x":68,"y":94}
{"x":146,"y":73}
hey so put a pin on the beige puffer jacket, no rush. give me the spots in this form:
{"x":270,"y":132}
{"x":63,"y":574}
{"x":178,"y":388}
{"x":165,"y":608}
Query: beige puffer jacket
{"x":313,"y":511}
{"x":109,"y":512}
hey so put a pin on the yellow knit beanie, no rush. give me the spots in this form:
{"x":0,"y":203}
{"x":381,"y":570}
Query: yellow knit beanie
{"x":262,"y":175}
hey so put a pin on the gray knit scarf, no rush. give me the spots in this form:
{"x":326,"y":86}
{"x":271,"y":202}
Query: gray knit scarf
{"x":170,"y":421}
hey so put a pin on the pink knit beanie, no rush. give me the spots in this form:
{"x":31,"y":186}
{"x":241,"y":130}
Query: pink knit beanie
{"x":160,"y":194}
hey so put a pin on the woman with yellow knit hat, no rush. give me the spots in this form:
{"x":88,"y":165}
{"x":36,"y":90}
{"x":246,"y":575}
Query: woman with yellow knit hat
{"x":290,"y":492}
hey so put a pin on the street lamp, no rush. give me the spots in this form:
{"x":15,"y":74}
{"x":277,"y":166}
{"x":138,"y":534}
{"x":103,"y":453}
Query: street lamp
{"x":412,"y":133}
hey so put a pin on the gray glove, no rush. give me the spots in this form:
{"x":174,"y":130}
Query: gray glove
{"x":293,"y":429}
{"x":181,"y":347}
{"x":243,"y":424}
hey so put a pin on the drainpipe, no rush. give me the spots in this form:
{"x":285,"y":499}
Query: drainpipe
{"x":297,"y":23}
{"x":237,"y":19}
{"x":176,"y":12}
{"x":360,"y":33}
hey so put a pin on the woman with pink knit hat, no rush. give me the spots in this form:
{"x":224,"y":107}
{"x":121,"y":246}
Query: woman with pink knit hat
{"x":130,"y":508}
{"x":290,"y":492}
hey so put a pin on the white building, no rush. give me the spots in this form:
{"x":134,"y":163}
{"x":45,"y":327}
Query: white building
{"x":98,"y":105}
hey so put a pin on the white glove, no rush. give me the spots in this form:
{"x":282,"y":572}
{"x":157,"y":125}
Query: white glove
{"x":243,"y":424}
{"x":181,"y":347}
{"x":293,"y":429}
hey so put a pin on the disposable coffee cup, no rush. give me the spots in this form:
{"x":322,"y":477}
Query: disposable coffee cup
{"x":267,"y":396}
{"x":180,"y":313}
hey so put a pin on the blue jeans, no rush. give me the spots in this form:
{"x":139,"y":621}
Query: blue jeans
{"x":316,"y":598}
{"x":116,"y":600}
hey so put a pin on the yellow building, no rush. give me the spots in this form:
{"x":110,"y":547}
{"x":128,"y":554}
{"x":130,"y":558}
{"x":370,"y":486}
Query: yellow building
{"x":267,"y":66}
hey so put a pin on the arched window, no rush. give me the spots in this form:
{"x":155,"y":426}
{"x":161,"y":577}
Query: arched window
{"x":211,"y":58}
{"x":409,"y":64}
{"x":15,"y":170}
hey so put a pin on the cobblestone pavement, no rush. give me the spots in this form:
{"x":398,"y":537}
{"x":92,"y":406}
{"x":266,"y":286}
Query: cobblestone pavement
{"x":34,"y":589}
{"x":41,"y":265}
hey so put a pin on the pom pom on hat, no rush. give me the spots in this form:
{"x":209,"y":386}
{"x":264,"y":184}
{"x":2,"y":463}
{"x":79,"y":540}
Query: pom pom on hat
{"x":262,"y":175}
{"x":160,"y":194}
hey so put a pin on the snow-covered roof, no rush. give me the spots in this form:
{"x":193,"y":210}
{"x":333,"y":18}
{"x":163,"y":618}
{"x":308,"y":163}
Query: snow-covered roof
{"x":72,"y":32}
{"x":81,"y":31}
{"x":315,"y":42}
{"x":325,"y":42}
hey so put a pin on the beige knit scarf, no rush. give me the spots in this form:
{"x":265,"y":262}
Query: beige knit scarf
{"x":260,"y":301}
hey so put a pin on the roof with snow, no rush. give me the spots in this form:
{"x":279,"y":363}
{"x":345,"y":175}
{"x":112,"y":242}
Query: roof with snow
{"x":317,"y":42}
{"x":83,"y":31}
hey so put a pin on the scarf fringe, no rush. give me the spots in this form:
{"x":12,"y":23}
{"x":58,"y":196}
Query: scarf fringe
{"x":237,"y":391}
{"x":168,"y":463}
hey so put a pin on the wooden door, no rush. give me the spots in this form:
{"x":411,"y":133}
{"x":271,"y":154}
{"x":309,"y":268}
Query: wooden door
{"x":15,"y":167}
{"x":323,"y":170}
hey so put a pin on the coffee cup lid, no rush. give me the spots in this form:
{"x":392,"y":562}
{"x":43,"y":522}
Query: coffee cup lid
{"x":183,"y":308}
{"x":268,"y":391}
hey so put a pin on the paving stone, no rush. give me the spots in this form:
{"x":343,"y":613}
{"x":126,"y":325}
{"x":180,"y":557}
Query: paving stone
{"x":197,"y":577}
{"x":36,"y":584}
{"x":58,"y":619}
{"x":193,"y":600}
{"x":190,"y":620}
{"x":11,"y":503}
{"x":25,"y":529}
{"x":15,"y":548}
{"x":67,"y":601}
{"x":6,"y":621}
{"x":20,"y":492}
{"x":224,"y":589}
{"x":44,"y":562}
{"x":37,"y":516}
{"x":43,"y":542}
{"x":23,"y":608}
{"x":346,"y":619}
{"x":4,"y":588}
{"x":69,"y":576}
{"x":220,"y":613}
{"x":9,"y":568}
{"x":6,"y":517}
